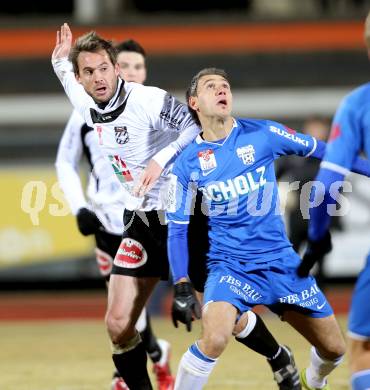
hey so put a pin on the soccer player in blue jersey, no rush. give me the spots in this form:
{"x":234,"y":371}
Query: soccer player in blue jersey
{"x":350,"y":136}
{"x":250,"y":259}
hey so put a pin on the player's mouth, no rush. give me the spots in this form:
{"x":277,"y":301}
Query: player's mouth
{"x":100,"y":91}
{"x":222,"y":103}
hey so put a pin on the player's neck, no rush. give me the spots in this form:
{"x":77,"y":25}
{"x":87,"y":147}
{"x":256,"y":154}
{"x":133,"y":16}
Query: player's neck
{"x":214,"y":129}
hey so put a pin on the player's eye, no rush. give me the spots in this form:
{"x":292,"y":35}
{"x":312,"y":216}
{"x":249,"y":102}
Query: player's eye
{"x":210,"y":85}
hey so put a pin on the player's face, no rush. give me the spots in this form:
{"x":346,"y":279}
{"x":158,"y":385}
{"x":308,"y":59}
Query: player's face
{"x":97,"y":75}
{"x":214,"y":98}
{"x":132,"y":66}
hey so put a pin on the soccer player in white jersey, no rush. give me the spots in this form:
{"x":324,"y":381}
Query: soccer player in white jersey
{"x":102,"y":214}
{"x":139,"y":129}
{"x":250,"y":260}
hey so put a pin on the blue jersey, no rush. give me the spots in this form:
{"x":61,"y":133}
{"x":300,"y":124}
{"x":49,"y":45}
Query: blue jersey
{"x":237,"y":178}
{"x":350,"y":133}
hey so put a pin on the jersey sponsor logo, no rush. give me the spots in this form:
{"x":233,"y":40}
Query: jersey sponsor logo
{"x":120,"y":169}
{"x":335,"y":132}
{"x":224,"y":190}
{"x":288,"y":135}
{"x":289,"y":130}
{"x":241,"y":289}
{"x":130,"y":254}
{"x":173,"y":112}
{"x":305,"y":298}
{"x":121,"y":135}
{"x":246,"y":154}
{"x":207,"y":160}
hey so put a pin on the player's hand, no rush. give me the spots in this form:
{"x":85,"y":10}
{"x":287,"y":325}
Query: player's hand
{"x":87,"y":222}
{"x":185,"y":306}
{"x":63,"y":43}
{"x":315,"y":252}
{"x":148,"y":178}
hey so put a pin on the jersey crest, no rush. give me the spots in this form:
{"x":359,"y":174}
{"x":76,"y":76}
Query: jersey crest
{"x":121,"y":135}
{"x":246,"y":154}
{"x":207,"y":160}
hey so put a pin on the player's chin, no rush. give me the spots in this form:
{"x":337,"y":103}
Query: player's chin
{"x":101,"y":97}
{"x":223,"y":113}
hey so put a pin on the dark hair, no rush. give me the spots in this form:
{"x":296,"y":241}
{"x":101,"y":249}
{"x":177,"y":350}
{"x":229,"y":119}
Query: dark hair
{"x":91,"y":42}
{"x":130,"y":45}
{"x":193,"y":87}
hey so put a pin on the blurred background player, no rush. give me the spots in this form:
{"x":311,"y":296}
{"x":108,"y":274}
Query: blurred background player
{"x":102,"y":214}
{"x":349,"y":137}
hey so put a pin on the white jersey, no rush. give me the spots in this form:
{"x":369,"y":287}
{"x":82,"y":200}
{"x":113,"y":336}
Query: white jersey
{"x":104,"y":192}
{"x":138,"y":123}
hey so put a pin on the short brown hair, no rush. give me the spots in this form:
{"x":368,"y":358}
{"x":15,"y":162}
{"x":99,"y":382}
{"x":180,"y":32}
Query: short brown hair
{"x":193,"y":87}
{"x":91,"y":42}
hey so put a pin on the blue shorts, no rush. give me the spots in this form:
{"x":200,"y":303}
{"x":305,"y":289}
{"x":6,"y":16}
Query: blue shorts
{"x":359,"y":315}
{"x":274,"y":284}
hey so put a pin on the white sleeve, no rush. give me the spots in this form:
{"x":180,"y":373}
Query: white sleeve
{"x":80,"y":100}
{"x":166,"y":113}
{"x":67,"y":163}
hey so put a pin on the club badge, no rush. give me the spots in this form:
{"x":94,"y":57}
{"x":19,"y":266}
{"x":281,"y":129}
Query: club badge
{"x":121,"y":134}
{"x":246,"y":154}
{"x":207,"y":160}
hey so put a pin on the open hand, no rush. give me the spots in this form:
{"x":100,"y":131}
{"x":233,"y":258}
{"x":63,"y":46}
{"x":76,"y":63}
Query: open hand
{"x":148,"y":178}
{"x":63,"y":43}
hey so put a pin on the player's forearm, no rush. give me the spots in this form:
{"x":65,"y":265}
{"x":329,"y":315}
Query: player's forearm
{"x":170,"y":152}
{"x":70,"y":184}
{"x":177,"y":244}
{"x":327,"y":197}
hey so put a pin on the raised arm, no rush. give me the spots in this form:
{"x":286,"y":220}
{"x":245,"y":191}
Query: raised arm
{"x":80,"y":100}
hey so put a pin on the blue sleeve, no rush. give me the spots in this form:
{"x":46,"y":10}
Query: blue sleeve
{"x":285,"y":141}
{"x":319,"y":216}
{"x":178,"y":215}
{"x":360,"y":165}
{"x":177,"y":246}
{"x":344,"y":143}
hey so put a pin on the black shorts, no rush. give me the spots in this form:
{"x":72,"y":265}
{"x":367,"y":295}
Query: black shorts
{"x":108,"y":242}
{"x":143,"y":250}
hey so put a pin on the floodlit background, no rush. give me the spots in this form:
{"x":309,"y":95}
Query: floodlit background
{"x":288,"y":60}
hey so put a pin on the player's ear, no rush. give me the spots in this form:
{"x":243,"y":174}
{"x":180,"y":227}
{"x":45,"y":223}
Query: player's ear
{"x":116,"y":69}
{"x":193,"y":102}
{"x":78,"y":78}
